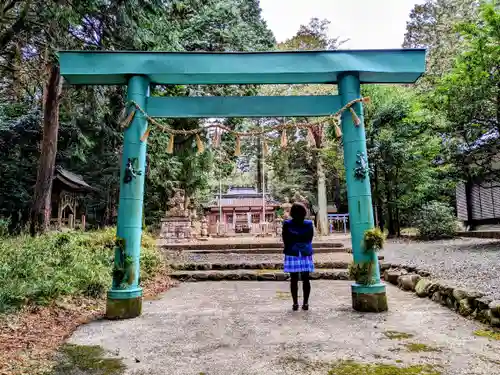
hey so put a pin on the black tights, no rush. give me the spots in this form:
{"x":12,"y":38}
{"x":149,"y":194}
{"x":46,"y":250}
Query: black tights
{"x":294,"y":286}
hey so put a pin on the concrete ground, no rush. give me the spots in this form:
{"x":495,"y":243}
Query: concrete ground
{"x":247,"y":328}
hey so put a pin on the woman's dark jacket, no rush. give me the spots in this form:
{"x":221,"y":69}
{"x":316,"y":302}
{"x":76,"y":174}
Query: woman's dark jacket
{"x":297,"y":237}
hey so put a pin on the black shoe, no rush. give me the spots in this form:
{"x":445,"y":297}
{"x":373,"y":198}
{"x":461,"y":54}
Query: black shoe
{"x":305,"y":307}
{"x":295,"y":307}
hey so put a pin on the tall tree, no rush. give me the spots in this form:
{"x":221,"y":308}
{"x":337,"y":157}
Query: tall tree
{"x":469,"y":96}
{"x":431,"y":26}
{"x":314,"y":36}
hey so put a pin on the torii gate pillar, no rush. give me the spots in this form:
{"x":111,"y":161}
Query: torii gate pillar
{"x":125,"y":297}
{"x":368,"y":298}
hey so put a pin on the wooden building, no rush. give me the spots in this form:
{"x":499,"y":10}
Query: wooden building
{"x":242,"y":212}
{"x":478,"y":203}
{"x":67,"y":191}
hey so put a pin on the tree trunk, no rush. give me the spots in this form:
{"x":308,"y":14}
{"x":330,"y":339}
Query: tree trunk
{"x":390,"y":211}
{"x":41,"y":208}
{"x":322,"y":201}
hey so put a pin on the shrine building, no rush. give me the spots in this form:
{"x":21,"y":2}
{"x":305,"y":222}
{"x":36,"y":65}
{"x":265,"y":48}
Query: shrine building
{"x":242,"y":212}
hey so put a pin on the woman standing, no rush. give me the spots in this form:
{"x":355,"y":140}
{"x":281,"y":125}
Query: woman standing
{"x":297,"y":238}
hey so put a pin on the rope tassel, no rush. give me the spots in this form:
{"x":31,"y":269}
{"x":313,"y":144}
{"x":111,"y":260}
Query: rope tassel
{"x":338,"y":132}
{"x":145,"y":135}
{"x":284,"y":140}
{"x":170,"y":147}
{"x":237,"y":150}
{"x":199,"y":144}
{"x":128,"y":120}
{"x":355,"y":117}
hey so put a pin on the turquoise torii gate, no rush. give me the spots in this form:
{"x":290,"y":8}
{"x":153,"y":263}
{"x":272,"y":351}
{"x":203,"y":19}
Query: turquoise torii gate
{"x":138,"y":70}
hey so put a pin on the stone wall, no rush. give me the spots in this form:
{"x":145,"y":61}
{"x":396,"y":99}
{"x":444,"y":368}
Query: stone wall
{"x":468,"y":303}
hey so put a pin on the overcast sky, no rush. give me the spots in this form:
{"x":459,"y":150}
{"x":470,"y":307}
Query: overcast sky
{"x":369,"y":24}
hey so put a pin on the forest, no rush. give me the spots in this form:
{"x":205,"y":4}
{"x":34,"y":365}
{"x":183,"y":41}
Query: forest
{"x":422,"y":139}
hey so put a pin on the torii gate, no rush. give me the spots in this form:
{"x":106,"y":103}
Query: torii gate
{"x":347,"y":68}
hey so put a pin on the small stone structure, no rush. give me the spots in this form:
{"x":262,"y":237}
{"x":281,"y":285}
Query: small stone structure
{"x":177,"y":222}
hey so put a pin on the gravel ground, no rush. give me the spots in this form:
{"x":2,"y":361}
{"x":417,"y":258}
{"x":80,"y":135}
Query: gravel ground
{"x":248,"y":328}
{"x":472,"y":263}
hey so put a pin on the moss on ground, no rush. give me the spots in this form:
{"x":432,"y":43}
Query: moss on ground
{"x":265,"y":270}
{"x":283,"y":295}
{"x":416,"y":347}
{"x":354,"y":368}
{"x":395,"y":335}
{"x":494,"y":335}
{"x":88,"y":360}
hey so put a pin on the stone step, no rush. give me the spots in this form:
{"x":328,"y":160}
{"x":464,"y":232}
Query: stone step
{"x":204,"y":266}
{"x":254,"y":275}
{"x":275,"y":250}
{"x":244,"y":245}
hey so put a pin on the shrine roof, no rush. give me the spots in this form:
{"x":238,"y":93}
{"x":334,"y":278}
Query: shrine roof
{"x":273,"y":67}
{"x":71,"y":180}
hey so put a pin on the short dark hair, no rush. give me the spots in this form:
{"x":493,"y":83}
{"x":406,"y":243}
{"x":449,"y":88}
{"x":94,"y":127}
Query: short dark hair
{"x":298,"y":211}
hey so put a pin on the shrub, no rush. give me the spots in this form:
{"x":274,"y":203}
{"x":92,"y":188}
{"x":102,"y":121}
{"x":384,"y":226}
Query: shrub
{"x":4,"y":227}
{"x":436,"y":220}
{"x":41,"y":269}
{"x":373,"y":239}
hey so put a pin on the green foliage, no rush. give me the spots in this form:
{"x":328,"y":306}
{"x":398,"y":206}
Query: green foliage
{"x":493,"y":335}
{"x":436,"y":220}
{"x":78,"y":359}
{"x":395,"y":335}
{"x":4,"y":227}
{"x":404,"y":154}
{"x":373,"y":239}
{"x":39,"y":270}
{"x":470,"y":99}
{"x":90,"y":137}
{"x":354,"y":368}
{"x":362,"y":273}
{"x":419,"y":347}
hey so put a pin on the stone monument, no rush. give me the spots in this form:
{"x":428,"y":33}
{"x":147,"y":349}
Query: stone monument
{"x":177,"y":222}
{"x":204,"y":227}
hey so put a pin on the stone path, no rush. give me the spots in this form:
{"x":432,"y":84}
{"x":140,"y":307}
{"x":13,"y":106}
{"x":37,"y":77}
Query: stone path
{"x":247,"y":328}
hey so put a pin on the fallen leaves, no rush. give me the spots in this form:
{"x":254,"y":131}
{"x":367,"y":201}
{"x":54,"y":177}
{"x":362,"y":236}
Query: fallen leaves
{"x":30,"y":337}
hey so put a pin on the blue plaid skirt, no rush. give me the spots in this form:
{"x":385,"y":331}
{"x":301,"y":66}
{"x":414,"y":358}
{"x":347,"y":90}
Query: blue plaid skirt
{"x":298,"y":264}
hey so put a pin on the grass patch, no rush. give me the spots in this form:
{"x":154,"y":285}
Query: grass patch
{"x":416,"y":348}
{"x":395,"y":335}
{"x":264,"y":270}
{"x":39,"y":270}
{"x":493,"y":335}
{"x":353,"y":368}
{"x":90,"y":360}
{"x":283,"y":295}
